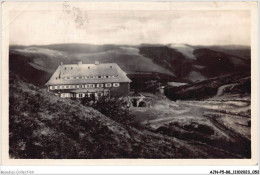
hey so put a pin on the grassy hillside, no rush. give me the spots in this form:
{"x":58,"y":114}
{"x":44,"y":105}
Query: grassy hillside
{"x":41,"y":125}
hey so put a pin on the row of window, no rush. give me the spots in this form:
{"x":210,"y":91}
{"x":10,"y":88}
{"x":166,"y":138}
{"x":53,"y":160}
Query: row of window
{"x":84,"y":86}
{"x":88,"y":77}
{"x":82,"y":95}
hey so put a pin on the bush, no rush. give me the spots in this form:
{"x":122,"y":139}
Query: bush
{"x":114,"y":108}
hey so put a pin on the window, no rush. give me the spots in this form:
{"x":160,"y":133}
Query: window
{"x":89,"y":85}
{"x":51,"y":87}
{"x":116,"y":84}
{"x":107,"y":76}
{"x":99,"y":85}
{"x":73,"y":86}
{"x":77,"y":77}
{"x":81,"y":95}
{"x":65,"y":95}
{"x":55,"y":87}
{"x":90,"y":76}
{"x":78,"y":86}
{"x":108,"y":85}
{"x":82,"y":86}
{"x":71,"y":78}
{"x":99,"y":76}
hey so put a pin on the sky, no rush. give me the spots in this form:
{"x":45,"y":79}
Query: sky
{"x":130,"y":27}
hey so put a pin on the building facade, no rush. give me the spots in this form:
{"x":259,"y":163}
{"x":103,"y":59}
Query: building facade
{"x":89,"y":80}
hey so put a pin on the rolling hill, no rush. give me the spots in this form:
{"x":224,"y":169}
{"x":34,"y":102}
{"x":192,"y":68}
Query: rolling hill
{"x":174,"y":62}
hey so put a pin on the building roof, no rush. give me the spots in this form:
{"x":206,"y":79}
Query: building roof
{"x":84,"y":73}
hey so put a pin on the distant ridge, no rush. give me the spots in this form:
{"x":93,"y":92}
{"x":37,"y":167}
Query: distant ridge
{"x":173,"y":62}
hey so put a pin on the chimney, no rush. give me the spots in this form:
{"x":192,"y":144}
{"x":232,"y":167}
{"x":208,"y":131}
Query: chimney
{"x":96,"y":62}
{"x":80,"y":62}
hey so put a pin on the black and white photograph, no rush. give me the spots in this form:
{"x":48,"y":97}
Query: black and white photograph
{"x":129,"y":84}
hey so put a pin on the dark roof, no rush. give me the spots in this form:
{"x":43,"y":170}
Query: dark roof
{"x":84,"y":71}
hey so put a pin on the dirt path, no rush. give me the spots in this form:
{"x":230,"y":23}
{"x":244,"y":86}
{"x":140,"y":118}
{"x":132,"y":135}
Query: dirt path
{"x":243,"y":146}
{"x":227,"y":136}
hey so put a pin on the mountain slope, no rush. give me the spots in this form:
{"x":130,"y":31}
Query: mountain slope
{"x":219,"y":64}
{"x":237,"y":84}
{"x":174,"y":62}
{"x":44,"y":126}
{"x":204,"y":64}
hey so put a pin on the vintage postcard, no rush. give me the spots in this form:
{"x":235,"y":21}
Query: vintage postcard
{"x":129,"y":83}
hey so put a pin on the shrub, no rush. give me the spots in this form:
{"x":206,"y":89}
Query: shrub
{"x":114,"y":108}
